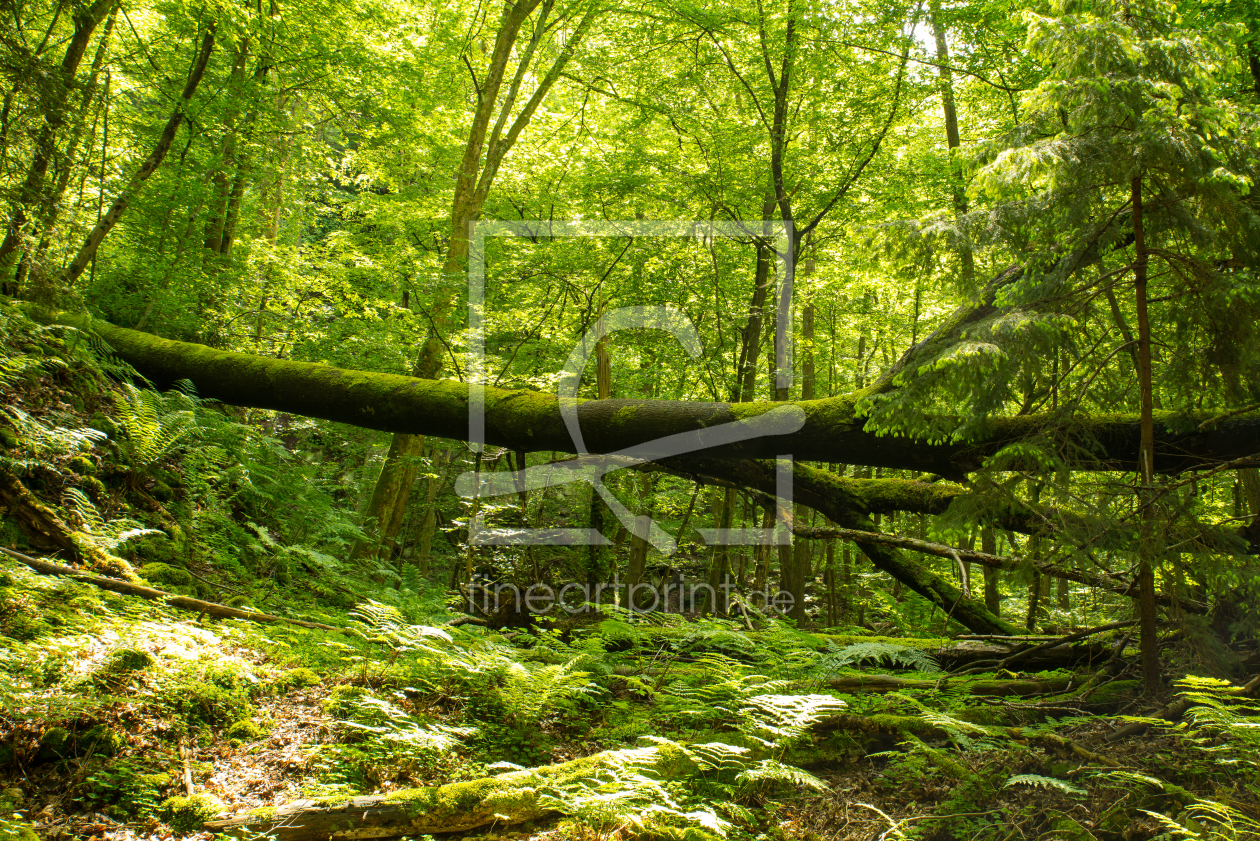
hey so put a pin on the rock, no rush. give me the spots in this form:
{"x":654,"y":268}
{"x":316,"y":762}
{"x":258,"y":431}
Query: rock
{"x":101,"y":740}
{"x":59,"y":743}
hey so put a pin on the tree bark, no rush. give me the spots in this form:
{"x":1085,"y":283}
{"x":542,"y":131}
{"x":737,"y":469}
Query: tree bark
{"x":523,"y":419}
{"x":32,"y":188}
{"x":429,"y":525}
{"x":1146,"y":461}
{"x":952,"y":137}
{"x":992,"y":596}
{"x":475,"y":177}
{"x":50,"y":213}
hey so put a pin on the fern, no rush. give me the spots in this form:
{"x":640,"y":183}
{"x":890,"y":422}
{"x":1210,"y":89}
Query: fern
{"x":383,"y":624}
{"x":1044,"y":782}
{"x":721,"y":696}
{"x":626,"y":796}
{"x":1223,"y":712}
{"x":838,"y":658}
{"x":770,"y":772}
{"x":779,"y":720}
{"x":532,"y":692}
{"x":153,"y":424}
{"x":40,"y":445}
{"x":108,"y":535}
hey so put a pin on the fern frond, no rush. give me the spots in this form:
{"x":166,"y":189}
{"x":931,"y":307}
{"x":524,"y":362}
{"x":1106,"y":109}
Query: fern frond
{"x":152,"y":423}
{"x":896,"y":655}
{"x":1044,"y":782}
{"x":768,"y":771}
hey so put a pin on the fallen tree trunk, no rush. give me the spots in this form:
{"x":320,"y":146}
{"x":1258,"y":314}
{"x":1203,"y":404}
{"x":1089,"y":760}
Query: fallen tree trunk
{"x":991,"y":688}
{"x":45,"y":529}
{"x":814,"y":488}
{"x":519,"y":796}
{"x":530,"y":421}
{"x":1173,"y":713}
{"x":1107,"y":582}
{"x":829,"y":429}
{"x":505,"y":799}
{"x":127,"y":588}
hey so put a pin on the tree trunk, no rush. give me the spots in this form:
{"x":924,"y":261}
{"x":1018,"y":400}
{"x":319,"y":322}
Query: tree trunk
{"x":440,"y":460}
{"x":520,"y":419}
{"x":475,"y":178}
{"x":1148,"y":555}
{"x":150,"y":165}
{"x":30,"y":193}
{"x":952,"y":138}
{"x":51,"y":212}
{"x":992,"y":597}
{"x":222,"y":180}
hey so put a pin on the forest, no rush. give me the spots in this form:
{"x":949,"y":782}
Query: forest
{"x":587,"y":420}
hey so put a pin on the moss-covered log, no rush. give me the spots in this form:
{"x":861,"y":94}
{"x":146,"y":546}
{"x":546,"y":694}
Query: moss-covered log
{"x":996,"y":688}
{"x":520,"y":796}
{"x":526,"y":420}
{"x":128,"y":588}
{"x":45,"y":529}
{"x":505,"y":799}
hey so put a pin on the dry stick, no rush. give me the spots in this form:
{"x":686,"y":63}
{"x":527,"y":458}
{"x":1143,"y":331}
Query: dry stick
{"x":1007,"y":637}
{"x":1054,"y":740}
{"x":188,"y":780}
{"x":1171,"y":712}
{"x":116,"y":585}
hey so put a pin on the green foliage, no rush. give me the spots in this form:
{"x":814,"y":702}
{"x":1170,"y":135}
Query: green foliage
{"x":13,"y":827}
{"x":247,"y":730}
{"x":187,"y":814}
{"x":126,"y":787}
{"x":39,"y":444}
{"x":841,"y":657}
{"x":108,"y":535}
{"x":1045,"y":782}
{"x":382,"y":741}
{"x":299,"y":678}
{"x":207,"y":693}
{"x":153,"y":425}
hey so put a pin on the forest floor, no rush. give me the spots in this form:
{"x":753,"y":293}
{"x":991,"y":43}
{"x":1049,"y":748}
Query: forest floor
{"x":118,"y":707}
{"x":125,"y":718}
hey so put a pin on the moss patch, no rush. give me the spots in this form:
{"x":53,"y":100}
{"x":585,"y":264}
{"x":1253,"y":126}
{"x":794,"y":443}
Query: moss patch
{"x":300,"y":678}
{"x":187,"y":814}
